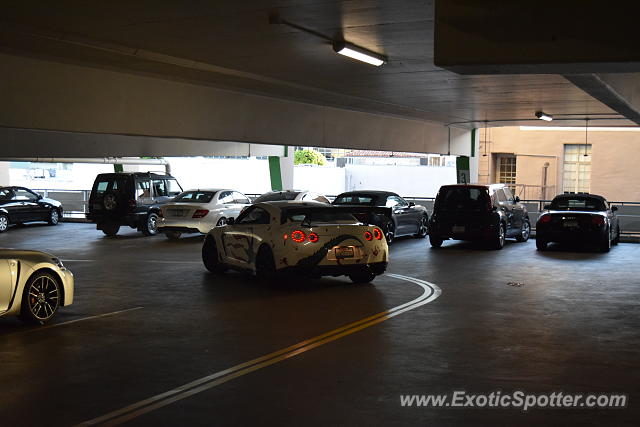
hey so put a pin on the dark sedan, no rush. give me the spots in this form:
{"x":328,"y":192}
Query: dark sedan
{"x":579,"y":219}
{"x":407,"y":218}
{"x":19,"y":205}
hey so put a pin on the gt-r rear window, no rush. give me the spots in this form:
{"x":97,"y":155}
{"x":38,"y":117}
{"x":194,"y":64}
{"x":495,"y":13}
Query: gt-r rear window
{"x":578,"y":204}
{"x":323,"y":217}
{"x":354,"y":200}
{"x":195,"y":196}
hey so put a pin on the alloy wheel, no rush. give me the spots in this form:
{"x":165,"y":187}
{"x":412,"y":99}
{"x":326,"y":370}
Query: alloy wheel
{"x":526,"y":230}
{"x":44,"y":298}
{"x":4,"y":223}
{"x":54,"y":216}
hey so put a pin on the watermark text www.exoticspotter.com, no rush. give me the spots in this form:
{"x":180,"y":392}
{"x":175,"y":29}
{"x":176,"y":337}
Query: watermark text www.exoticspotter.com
{"x":518,"y":399}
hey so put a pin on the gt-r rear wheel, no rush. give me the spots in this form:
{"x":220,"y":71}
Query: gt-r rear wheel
{"x":41,"y":298}
{"x":265,"y":265}
{"x":210,"y":256}
{"x":364,"y":276}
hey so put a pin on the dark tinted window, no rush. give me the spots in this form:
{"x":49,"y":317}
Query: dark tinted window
{"x":195,"y":196}
{"x":271,"y":197}
{"x":578,"y":204}
{"x":461,"y":198}
{"x":354,"y":200}
{"x":160,"y":188}
{"x":5,"y":193}
{"x":254,"y":215}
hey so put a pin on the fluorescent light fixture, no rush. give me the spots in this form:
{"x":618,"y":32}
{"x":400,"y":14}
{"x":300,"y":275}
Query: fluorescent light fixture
{"x":359,"y":53}
{"x":544,"y":116}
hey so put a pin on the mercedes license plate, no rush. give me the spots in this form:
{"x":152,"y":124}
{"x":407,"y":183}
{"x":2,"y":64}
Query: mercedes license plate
{"x":570,"y":223}
{"x":344,"y":252}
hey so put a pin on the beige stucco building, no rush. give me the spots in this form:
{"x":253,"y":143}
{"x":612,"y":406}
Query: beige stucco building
{"x":542,"y":162}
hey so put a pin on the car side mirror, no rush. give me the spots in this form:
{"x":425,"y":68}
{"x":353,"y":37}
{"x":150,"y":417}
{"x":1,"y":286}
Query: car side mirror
{"x":231,"y":221}
{"x":517,"y":199}
{"x":40,"y":197}
{"x":547,"y":206}
{"x":614,"y":208}
{"x":411,"y":204}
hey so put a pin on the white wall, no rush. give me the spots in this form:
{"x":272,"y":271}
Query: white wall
{"x":323,"y":179}
{"x":423,"y":181}
{"x":249,"y":176}
{"x":405,"y":180}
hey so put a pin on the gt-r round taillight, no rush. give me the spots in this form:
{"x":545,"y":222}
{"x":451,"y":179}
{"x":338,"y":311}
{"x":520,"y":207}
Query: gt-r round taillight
{"x":377,"y":233}
{"x":545,"y":219}
{"x":368,"y":235}
{"x":597,"y":220}
{"x":298,"y":236}
{"x":313,"y":237}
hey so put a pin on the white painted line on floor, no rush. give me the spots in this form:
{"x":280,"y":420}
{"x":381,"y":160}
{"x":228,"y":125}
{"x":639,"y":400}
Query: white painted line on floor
{"x":119,"y":416}
{"x":97,"y":316}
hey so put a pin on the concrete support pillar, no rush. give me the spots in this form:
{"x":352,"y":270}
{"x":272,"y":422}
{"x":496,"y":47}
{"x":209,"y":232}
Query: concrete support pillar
{"x":4,"y":173}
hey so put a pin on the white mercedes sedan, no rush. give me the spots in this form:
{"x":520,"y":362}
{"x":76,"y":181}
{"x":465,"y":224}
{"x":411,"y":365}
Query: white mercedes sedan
{"x":198,"y":211}
{"x":302,"y":238}
{"x":33,"y":285}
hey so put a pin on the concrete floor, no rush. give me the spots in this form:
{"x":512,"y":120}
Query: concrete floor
{"x":573,"y":326}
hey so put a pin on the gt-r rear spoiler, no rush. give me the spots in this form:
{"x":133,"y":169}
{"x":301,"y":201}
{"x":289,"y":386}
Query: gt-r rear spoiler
{"x":359,"y":212}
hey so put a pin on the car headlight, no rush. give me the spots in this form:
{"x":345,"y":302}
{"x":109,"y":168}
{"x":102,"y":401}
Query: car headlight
{"x":57,"y":262}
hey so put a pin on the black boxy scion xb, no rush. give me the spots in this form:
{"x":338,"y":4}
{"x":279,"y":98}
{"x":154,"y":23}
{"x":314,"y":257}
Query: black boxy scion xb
{"x":130,"y":198}
{"x":488,"y":213}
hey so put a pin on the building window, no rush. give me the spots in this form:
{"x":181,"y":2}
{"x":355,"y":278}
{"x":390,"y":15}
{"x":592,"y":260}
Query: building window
{"x":576,"y":176}
{"x":507,"y":170}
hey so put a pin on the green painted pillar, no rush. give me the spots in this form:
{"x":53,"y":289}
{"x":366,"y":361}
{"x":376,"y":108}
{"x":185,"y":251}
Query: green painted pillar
{"x":281,"y":170}
{"x":463,"y":169}
{"x":275,"y":172}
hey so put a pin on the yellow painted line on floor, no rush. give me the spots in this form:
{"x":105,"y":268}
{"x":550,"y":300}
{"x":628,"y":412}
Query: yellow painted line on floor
{"x":430,"y":293}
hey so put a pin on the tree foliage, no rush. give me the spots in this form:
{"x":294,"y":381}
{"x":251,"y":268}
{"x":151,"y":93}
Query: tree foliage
{"x":309,"y":157}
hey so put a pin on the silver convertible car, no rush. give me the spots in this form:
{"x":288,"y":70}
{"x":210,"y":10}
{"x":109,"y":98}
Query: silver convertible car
{"x":33,"y":285}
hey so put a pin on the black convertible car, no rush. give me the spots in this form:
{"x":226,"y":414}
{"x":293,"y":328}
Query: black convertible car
{"x":407,"y":218}
{"x":19,"y":205}
{"x":580,"y":219}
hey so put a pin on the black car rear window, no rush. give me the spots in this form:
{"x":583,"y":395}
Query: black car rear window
{"x":272,"y":197}
{"x":195,"y":196}
{"x":578,"y":204}
{"x":461,"y":198}
{"x":109,"y":183}
{"x":354,"y":200}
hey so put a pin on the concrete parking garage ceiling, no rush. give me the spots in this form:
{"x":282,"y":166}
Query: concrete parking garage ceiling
{"x":232,"y":45}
